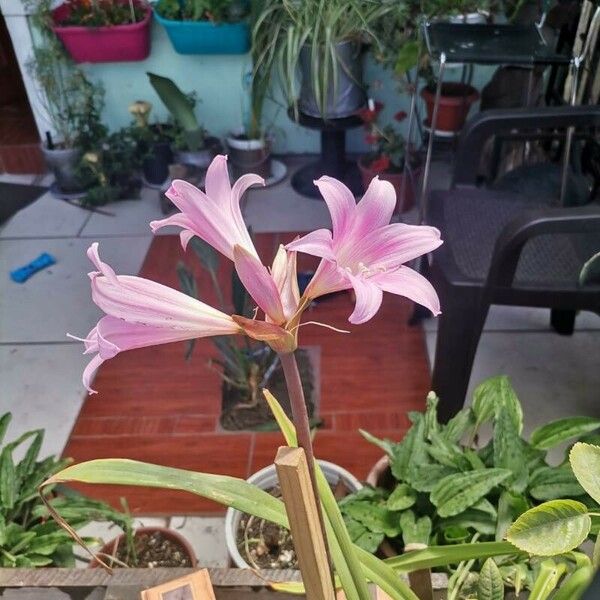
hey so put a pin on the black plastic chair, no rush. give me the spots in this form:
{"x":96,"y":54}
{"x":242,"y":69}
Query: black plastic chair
{"x":503,"y":247}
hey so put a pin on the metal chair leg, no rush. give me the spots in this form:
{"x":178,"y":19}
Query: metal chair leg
{"x":563,"y":321}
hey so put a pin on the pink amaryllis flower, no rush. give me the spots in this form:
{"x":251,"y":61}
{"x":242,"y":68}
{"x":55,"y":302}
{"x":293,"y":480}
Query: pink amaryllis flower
{"x":367,"y":252}
{"x":141,"y":313}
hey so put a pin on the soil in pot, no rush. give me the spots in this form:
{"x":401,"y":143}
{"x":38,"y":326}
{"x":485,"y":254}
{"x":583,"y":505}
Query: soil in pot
{"x":240,"y":411}
{"x":455,"y":101}
{"x":265,"y":545}
{"x":153,"y":548}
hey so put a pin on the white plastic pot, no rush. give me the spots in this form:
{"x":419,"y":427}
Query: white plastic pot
{"x":266,"y":479}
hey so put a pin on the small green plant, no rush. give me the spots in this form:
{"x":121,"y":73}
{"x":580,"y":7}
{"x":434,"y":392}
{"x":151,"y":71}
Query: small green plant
{"x":28,"y":537}
{"x":189,"y":134}
{"x":218,"y":11}
{"x":102,"y":13}
{"x":446,"y":489}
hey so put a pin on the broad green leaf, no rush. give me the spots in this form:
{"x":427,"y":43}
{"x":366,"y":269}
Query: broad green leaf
{"x":362,"y":537}
{"x":4,"y":423}
{"x":484,"y":404}
{"x":446,"y":453}
{"x":508,"y":450}
{"x":472,"y":519}
{"x":458,"y":425}
{"x":585,"y":462}
{"x":440,"y":556}
{"x":8,"y":483}
{"x":402,"y":497}
{"x":455,"y":493}
{"x":510,"y":506}
{"x":547,"y":580}
{"x":490,"y":585}
{"x":410,"y":452}
{"x":550,"y":483}
{"x":375,"y":518}
{"x":551,"y":528}
{"x":556,"y":432}
{"x":575,"y":584}
{"x":26,"y":465}
{"x":406,"y":57}
{"x":415,"y":531}
{"x":492,"y":394}
{"x":426,"y":478}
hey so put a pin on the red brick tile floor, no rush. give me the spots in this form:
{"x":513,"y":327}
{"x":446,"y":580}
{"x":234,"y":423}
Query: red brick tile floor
{"x":19,"y":141}
{"x":154,"y":406}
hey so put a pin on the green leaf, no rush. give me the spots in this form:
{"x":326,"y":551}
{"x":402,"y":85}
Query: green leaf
{"x":402,"y":497}
{"x":493,"y":394}
{"x":424,"y":480}
{"x":387,"y":446}
{"x":508,"y":449}
{"x":472,"y":519}
{"x":547,"y":580}
{"x":458,"y":425}
{"x":550,"y":483}
{"x":374,"y":517}
{"x":207,"y":255}
{"x":407,"y":57}
{"x":24,"y":468}
{"x":362,"y":537}
{"x":446,"y":453}
{"x":410,"y":452}
{"x":585,"y":462}
{"x":490,"y":585}
{"x":455,"y":493}
{"x":575,"y":585}
{"x":590,"y":272}
{"x":8,"y":483}
{"x":510,"y":506}
{"x":5,"y":420}
{"x":551,"y":528}
{"x":440,"y":556}
{"x":415,"y":531}
{"x":556,"y":432}
{"x":241,"y":305}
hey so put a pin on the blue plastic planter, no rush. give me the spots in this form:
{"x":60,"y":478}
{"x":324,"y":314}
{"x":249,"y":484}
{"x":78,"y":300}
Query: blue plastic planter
{"x":206,"y":37}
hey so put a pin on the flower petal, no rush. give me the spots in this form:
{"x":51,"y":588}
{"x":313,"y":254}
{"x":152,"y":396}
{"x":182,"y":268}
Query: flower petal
{"x":89,"y":372}
{"x":316,"y":243}
{"x":341,"y":204}
{"x":277,"y":337}
{"x":259,"y":283}
{"x":368,"y":300}
{"x":217,"y":179}
{"x":376,"y":207}
{"x":285,"y":277}
{"x":328,"y":278}
{"x":410,"y":284}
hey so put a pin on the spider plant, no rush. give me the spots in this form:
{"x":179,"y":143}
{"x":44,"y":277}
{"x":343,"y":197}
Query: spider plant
{"x":283,"y":28}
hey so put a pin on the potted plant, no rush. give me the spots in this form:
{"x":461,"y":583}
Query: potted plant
{"x":72,"y":103}
{"x":323,"y":41}
{"x":454,"y":104}
{"x":192,"y":145}
{"x":210,"y":27}
{"x":388,"y":156}
{"x":258,"y":544}
{"x":104,"y":30}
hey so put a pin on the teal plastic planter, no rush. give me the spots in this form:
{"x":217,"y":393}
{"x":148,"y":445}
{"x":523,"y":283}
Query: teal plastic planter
{"x":206,"y":37}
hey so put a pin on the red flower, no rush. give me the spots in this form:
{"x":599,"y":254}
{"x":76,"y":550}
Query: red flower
{"x":371,"y":138}
{"x":368,"y":115}
{"x":381,"y":164}
{"x":400,"y":115}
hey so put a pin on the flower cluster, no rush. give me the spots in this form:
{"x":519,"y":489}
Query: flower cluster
{"x":363,"y":252}
{"x":388,"y":143}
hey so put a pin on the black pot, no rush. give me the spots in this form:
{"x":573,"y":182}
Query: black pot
{"x":249,"y":156}
{"x":156,"y":165}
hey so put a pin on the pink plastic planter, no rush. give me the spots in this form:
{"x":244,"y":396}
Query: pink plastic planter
{"x":117,"y":43}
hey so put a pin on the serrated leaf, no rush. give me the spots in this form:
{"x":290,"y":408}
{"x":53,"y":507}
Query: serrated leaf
{"x":508,"y":451}
{"x":402,"y":497}
{"x":551,"y":528}
{"x":415,"y":531}
{"x":455,"y":493}
{"x":550,"y":483}
{"x":490,"y":585}
{"x":585,"y":462}
{"x":375,"y":518}
{"x":556,"y":432}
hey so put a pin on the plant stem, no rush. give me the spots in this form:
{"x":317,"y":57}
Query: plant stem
{"x":301,"y":423}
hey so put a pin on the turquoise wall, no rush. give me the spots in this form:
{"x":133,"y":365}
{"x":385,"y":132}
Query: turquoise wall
{"x":219,"y":83}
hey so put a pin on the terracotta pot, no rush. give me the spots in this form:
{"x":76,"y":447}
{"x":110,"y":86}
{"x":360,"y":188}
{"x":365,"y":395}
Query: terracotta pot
{"x":110,"y":548}
{"x":455,"y":102}
{"x":116,"y":43}
{"x":405,"y":194}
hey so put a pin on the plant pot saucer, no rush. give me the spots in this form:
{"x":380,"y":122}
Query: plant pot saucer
{"x":439,"y":132}
{"x":278,"y":172}
{"x":61,"y":195}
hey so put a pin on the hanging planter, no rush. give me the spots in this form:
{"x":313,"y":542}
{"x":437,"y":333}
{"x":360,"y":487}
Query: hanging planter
{"x":106,"y":43}
{"x":206,"y":37}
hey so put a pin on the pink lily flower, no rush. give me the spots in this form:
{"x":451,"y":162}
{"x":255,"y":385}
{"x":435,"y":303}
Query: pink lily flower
{"x":141,"y":313}
{"x":214,"y":216}
{"x":366,"y":252}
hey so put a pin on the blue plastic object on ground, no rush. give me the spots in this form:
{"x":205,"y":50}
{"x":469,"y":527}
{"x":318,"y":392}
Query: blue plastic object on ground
{"x":22,"y":274}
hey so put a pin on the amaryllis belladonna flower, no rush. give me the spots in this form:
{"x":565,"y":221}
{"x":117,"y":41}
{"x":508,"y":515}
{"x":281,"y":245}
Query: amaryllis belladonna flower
{"x":366,"y":252}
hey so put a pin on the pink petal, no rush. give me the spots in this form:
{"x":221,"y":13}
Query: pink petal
{"x":341,"y":204}
{"x":238,"y":190}
{"x":328,"y":278}
{"x":217,"y":178}
{"x":376,"y":207}
{"x":316,"y":243}
{"x":393,"y":245}
{"x":259,"y":283}
{"x":410,"y":284}
{"x":368,"y":300}
{"x":89,"y":372}
{"x":283,"y":271}
{"x":280,"y":339}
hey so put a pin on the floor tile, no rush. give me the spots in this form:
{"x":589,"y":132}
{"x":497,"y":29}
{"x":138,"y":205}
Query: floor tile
{"x":554,"y":376}
{"x":206,"y":536}
{"x":57,"y":300}
{"x":46,"y":217}
{"x":129,"y":217}
{"x":41,"y":386}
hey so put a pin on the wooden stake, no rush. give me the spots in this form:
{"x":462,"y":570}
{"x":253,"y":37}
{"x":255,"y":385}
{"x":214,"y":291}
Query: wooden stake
{"x":301,"y":508}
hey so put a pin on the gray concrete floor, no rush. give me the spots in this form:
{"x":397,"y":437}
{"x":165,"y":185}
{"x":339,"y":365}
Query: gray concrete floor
{"x":40,"y":368}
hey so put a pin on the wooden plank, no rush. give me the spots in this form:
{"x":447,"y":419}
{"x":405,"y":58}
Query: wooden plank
{"x":301,"y":508}
{"x":196,"y":586}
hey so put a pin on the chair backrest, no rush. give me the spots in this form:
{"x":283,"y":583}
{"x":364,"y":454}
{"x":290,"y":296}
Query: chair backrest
{"x":496,"y":122}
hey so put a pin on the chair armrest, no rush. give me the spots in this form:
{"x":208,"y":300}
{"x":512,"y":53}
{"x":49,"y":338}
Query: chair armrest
{"x":532,"y":223}
{"x":495,"y":122}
